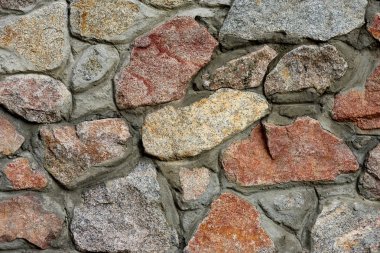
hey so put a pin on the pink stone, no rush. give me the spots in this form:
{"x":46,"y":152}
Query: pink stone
{"x":374,"y":26}
{"x":11,"y":140}
{"x":163,"y":63}
{"x":302,"y":151}
{"x":194,"y":182}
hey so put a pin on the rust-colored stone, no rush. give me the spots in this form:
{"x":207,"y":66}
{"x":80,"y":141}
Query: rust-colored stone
{"x":21,"y":175}
{"x":233,"y":225}
{"x":374,"y":26}
{"x":360,"y":106}
{"x":163,"y":62}
{"x":302,"y":151}
{"x":25,"y":217}
{"x":11,"y":140}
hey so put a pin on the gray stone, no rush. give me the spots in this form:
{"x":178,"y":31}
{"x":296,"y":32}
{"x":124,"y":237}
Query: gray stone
{"x":213,"y":3}
{"x":298,"y":110}
{"x":167,"y":4}
{"x":95,"y":100}
{"x":328,"y":191}
{"x":347,"y":225}
{"x":124,"y":215}
{"x":306,"y":67}
{"x":93,"y":65}
{"x":369,"y":186}
{"x":171,"y":133}
{"x":38,"y":41}
{"x":18,"y":5}
{"x":295,"y":19}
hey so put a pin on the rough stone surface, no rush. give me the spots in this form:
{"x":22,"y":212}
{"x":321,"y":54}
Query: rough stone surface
{"x":124,"y":215}
{"x":318,"y":19}
{"x":102,"y":19}
{"x":245,"y":72}
{"x":17,"y":4}
{"x":306,"y":67}
{"x":216,"y":2}
{"x":37,"y":98}
{"x":169,"y":4}
{"x":25,"y":217}
{"x":11,"y":140}
{"x":302,"y":151}
{"x":369,"y":183}
{"x":37,"y":41}
{"x":347,"y":225}
{"x":21,"y":175}
{"x":70,"y":153}
{"x":232,"y":225}
{"x":163,"y":62}
{"x":374,"y":26}
{"x":171,"y":133}
{"x":93,"y":65}
{"x":360,"y":106}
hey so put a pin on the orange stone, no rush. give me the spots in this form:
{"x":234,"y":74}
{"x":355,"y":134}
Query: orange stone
{"x":23,"y":217}
{"x":11,"y":140}
{"x":22,"y":176}
{"x":374,"y":26}
{"x":302,"y":151}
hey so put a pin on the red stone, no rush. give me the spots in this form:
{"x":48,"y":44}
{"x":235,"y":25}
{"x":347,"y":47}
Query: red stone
{"x":11,"y":140}
{"x":360,"y":106}
{"x":302,"y":151}
{"x":24,"y":217}
{"x":163,"y":63}
{"x":22,"y":176}
{"x":374,"y":26}
{"x":232,"y":225}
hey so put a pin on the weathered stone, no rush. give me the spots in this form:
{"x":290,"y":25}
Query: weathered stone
{"x":374,"y":26}
{"x":360,"y":106}
{"x":171,"y":133}
{"x":103,"y":19}
{"x":93,"y":65}
{"x":302,"y":151}
{"x":169,"y":4}
{"x":36,"y":98}
{"x":216,"y":2}
{"x":306,"y":67}
{"x":296,"y":110}
{"x":37,"y":41}
{"x":19,"y":5}
{"x":11,"y":140}
{"x":25,"y":217}
{"x":373,"y":162}
{"x":21,"y":175}
{"x":347,"y":225}
{"x":232,"y":225}
{"x":245,"y":72}
{"x":72,"y":153}
{"x":318,"y":19}
{"x":163,"y":62}
{"x":124,"y":215}
{"x":369,"y":183}
{"x":95,"y":100}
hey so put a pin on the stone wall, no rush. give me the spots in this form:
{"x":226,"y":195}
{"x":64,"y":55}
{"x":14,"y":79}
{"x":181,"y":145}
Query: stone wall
{"x":189,"y":126}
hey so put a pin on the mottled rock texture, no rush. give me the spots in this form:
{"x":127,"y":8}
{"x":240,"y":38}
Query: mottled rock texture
{"x":11,"y":139}
{"x":374,"y":26}
{"x":17,"y":4}
{"x":245,"y":72}
{"x":174,"y":133}
{"x":232,"y":225}
{"x":347,"y":225}
{"x":317,"y":19}
{"x":306,"y":67}
{"x":124,"y":215}
{"x":74,"y":153}
{"x":168,"y":4}
{"x":37,"y":98}
{"x":25,"y":217}
{"x":360,"y":106}
{"x":163,"y":62}
{"x":302,"y":151}
{"x":103,"y":19}
{"x":37,"y":41}
{"x":369,"y":183}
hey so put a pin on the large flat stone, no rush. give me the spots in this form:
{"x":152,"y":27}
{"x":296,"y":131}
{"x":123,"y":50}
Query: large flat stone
{"x":174,"y":133}
{"x":295,"y":19}
{"x":38,"y":41}
{"x":163,"y":62}
{"x":124,"y":215}
{"x":11,"y":140}
{"x":299,"y":152}
{"x":306,"y":67}
{"x":37,"y":98}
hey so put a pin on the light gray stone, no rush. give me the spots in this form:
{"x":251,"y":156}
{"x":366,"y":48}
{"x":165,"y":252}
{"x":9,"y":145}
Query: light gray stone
{"x":38,"y":41}
{"x":347,"y":225}
{"x":306,"y":67}
{"x":294,"y":19}
{"x":171,"y":133}
{"x":93,"y":65}
{"x":213,"y":3}
{"x":124,"y":215}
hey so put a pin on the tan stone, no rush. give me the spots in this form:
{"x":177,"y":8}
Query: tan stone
{"x":11,"y":140}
